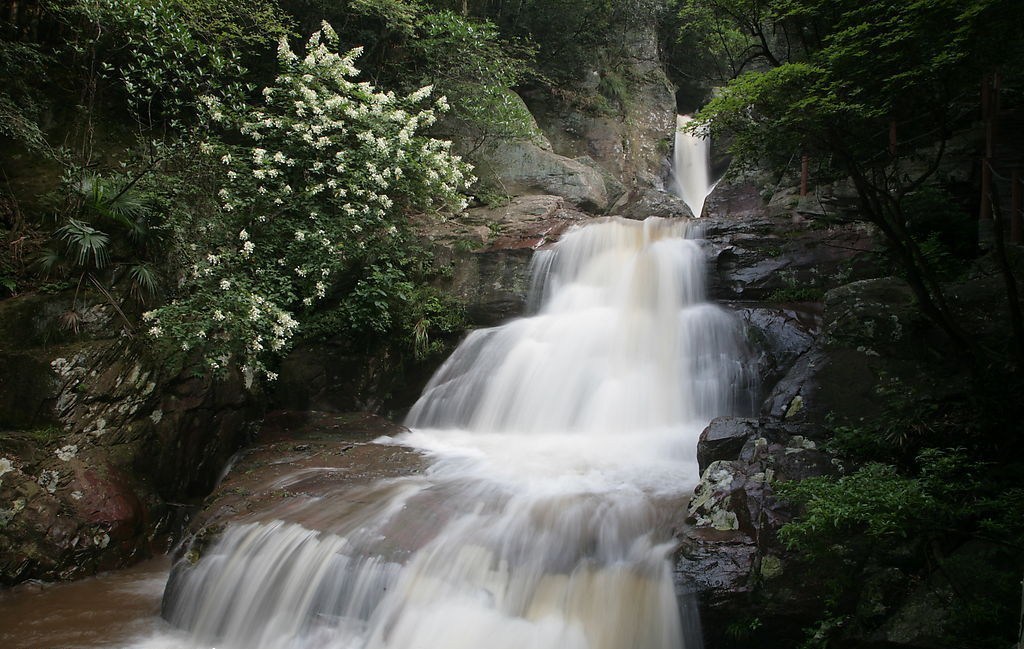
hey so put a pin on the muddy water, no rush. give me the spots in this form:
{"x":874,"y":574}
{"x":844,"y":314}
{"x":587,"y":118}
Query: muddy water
{"x":103,"y":611}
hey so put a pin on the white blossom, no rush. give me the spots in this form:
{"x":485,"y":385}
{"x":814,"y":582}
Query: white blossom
{"x":421,"y":94}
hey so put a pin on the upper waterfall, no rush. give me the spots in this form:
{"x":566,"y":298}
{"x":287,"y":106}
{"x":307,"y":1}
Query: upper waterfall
{"x":622,"y":341}
{"x":691,"y":176}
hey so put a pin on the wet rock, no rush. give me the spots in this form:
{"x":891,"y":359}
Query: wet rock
{"x":781,"y":335}
{"x":305,"y":467}
{"x":783,"y":259}
{"x":101,"y":440}
{"x":736,"y":198}
{"x":652,"y":202}
{"x":723,"y":439}
{"x":490,"y":249}
{"x":729,"y":555}
{"x":65,"y":514}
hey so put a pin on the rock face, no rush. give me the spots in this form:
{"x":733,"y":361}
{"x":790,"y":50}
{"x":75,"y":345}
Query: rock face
{"x":523,"y":167}
{"x":99,"y":443}
{"x":631,"y":142}
{"x":870,"y":329}
{"x":302,"y":465}
{"x":729,"y":556}
{"x":492,"y":277}
{"x":785,"y":258}
{"x":781,"y":335}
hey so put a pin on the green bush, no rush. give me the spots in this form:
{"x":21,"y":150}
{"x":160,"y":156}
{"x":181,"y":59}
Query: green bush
{"x":316,"y":196}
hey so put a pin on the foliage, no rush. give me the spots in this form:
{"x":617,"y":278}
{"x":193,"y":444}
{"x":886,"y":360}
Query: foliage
{"x":572,"y":35}
{"x":165,"y":54}
{"x":108,"y":233}
{"x":316,"y":195}
{"x":21,"y":103}
{"x":877,"y":518}
{"x":838,"y":80}
{"x":932,"y":495}
{"x":409,"y":43}
{"x":726,"y":36}
{"x":476,"y":69}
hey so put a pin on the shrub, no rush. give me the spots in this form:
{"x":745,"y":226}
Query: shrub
{"x":316,"y":194}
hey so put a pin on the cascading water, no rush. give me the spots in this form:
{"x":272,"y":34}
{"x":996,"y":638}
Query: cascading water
{"x":691,"y":175}
{"x":561,"y":446}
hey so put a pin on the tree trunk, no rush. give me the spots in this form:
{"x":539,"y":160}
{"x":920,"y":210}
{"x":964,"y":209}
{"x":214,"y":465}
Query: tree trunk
{"x":1016,"y":218}
{"x":1012,"y":294}
{"x":805,"y":168}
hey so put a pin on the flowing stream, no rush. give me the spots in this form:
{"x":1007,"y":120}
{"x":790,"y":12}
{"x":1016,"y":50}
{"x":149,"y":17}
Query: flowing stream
{"x":691,"y":176}
{"x":562,"y":448}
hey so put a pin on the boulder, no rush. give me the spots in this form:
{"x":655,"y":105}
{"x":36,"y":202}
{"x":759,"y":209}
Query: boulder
{"x":523,"y":167}
{"x":81,"y":486}
{"x":877,"y":316}
{"x":652,"y":202}
{"x":780,"y":334}
{"x":752,"y":591}
{"x":871,"y":331}
{"x":774,"y":250}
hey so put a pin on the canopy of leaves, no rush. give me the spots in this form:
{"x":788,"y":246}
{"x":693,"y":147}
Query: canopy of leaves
{"x":831,"y":76}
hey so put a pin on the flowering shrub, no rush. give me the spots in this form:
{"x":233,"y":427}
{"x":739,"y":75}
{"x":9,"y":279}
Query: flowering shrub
{"x":329,"y":168}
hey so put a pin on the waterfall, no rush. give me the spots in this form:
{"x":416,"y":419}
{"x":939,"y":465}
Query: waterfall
{"x":691,"y":176}
{"x":562,"y":445}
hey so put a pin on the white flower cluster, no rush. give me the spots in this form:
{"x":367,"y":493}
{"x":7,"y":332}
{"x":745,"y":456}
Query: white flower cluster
{"x":331,"y":167}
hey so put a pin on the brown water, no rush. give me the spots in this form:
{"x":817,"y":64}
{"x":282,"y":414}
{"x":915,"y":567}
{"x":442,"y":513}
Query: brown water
{"x":107,"y":610}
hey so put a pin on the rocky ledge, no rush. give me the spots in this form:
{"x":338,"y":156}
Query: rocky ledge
{"x":306,"y":467}
{"x":729,"y":554}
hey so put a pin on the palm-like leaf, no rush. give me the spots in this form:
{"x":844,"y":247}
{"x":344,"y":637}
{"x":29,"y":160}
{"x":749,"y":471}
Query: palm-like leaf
{"x":114,"y":201}
{"x":84,"y":241}
{"x":143,"y":281}
{"x":50,"y":260}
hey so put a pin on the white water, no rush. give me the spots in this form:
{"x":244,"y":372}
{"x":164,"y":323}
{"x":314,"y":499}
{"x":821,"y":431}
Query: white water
{"x":562,"y":445}
{"x":691,"y":175}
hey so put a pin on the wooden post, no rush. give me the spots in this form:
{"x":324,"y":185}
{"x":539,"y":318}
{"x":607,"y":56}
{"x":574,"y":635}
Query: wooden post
{"x":805,"y":169}
{"x":1016,"y":218}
